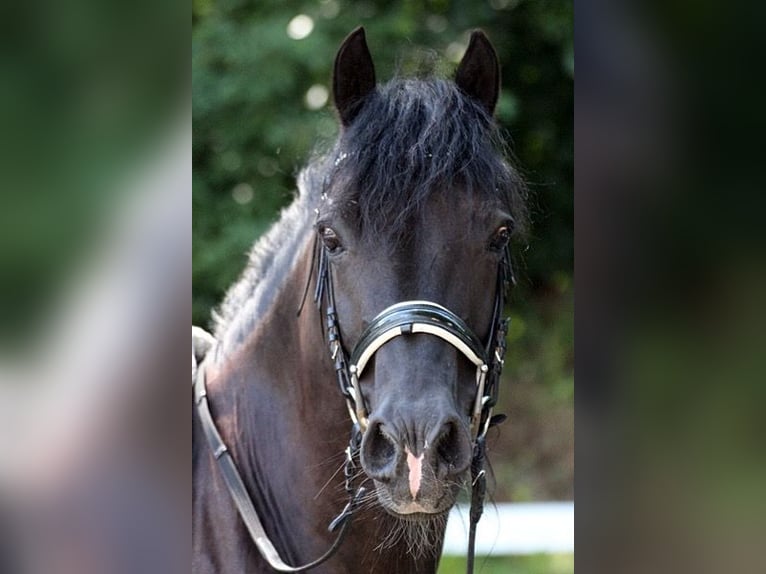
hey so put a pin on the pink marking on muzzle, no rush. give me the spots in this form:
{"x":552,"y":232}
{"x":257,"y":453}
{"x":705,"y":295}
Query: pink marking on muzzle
{"x":415,"y":465}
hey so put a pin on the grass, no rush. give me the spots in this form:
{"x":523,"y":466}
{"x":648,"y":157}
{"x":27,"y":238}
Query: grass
{"x":532,"y":564}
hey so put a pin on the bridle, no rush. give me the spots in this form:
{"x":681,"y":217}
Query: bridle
{"x":399,"y":320}
{"x":409,"y":318}
{"x":412,"y":317}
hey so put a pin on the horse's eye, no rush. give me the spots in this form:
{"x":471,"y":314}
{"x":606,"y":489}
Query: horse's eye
{"x":330,"y":239}
{"x":500,"y":238}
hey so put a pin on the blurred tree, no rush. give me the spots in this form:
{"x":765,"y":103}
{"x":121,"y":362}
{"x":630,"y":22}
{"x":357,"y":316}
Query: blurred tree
{"x":261,"y":103}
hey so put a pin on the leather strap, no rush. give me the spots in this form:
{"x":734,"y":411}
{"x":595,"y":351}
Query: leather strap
{"x":241,"y":498}
{"x":478,"y":491}
{"x":417,"y":317}
{"x":410,"y":317}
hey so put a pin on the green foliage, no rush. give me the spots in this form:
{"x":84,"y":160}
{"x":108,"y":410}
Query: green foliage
{"x":82,"y":107}
{"x":532,"y":564}
{"x":254,"y":129}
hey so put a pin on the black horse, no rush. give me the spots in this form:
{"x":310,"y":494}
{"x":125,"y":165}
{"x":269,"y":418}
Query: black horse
{"x":401,"y":233}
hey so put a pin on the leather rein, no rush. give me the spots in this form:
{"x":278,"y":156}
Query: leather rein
{"x":401,"y":319}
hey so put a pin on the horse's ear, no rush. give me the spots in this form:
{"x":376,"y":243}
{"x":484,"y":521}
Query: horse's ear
{"x":353,"y":76}
{"x":478,"y":74}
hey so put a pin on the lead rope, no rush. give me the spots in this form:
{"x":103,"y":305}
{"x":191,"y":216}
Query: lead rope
{"x":238,"y":491}
{"x":478,"y":491}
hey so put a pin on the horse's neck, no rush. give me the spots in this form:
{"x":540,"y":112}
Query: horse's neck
{"x":278,"y":408}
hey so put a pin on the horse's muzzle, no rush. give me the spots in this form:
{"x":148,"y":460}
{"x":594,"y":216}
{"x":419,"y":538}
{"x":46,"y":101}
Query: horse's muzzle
{"x":418,"y":468}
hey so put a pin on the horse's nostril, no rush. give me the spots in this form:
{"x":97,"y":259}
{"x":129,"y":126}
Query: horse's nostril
{"x":453,"y":449}
{"x":446,"y":445}
{"x":379,"y":453}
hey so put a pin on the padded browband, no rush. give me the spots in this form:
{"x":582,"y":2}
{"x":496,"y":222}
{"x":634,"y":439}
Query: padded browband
{"x":417,"y":317}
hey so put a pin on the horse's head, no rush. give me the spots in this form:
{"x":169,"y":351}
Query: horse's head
{"x":418,"y":204}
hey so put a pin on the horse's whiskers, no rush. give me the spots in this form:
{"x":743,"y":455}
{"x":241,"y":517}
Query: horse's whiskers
{"x":421,"y":538}
{"x":329,"y":480}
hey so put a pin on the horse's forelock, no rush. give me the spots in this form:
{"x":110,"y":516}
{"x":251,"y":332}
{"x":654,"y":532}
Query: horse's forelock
{"x":411,"y":139}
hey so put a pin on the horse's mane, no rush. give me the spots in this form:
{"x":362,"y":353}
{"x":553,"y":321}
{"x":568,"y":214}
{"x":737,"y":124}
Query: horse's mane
{"x":412,"y":138}
{"x":273,"y":253}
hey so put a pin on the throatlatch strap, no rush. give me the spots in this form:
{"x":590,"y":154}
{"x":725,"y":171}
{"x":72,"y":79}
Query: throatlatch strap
{"x":241,"y":498}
